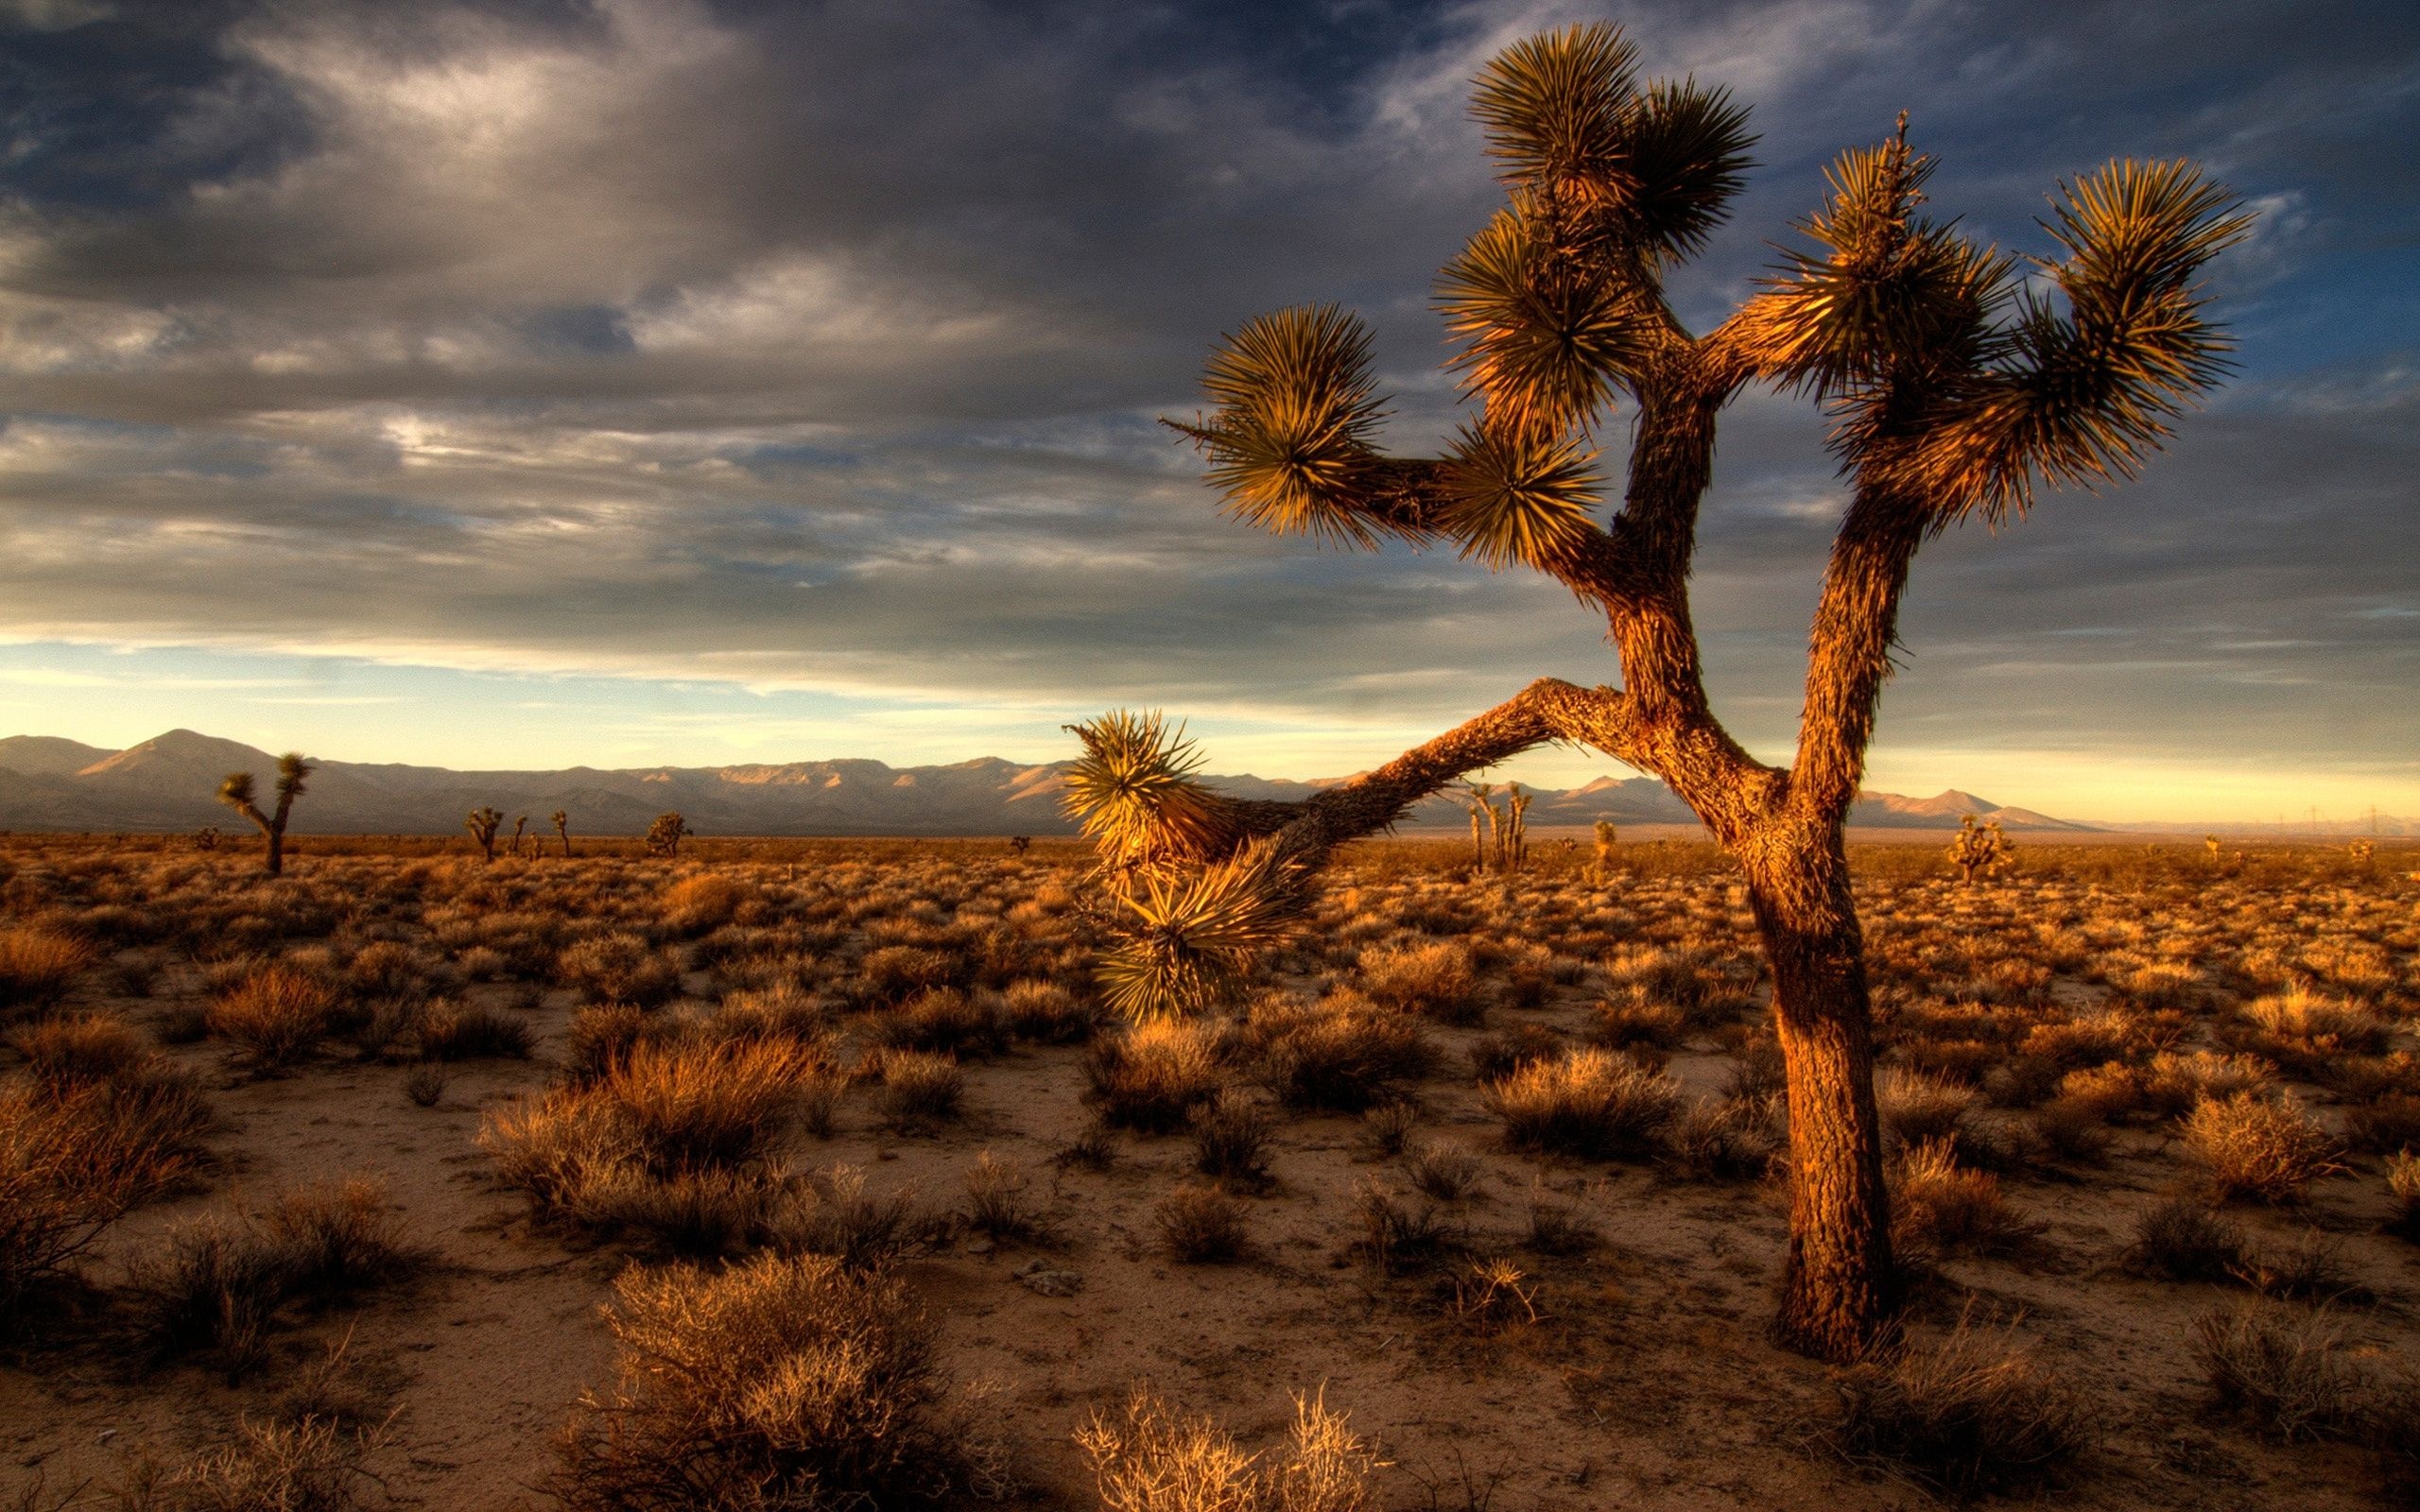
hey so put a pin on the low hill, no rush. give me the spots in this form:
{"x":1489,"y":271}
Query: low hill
{"x":169,"y":783}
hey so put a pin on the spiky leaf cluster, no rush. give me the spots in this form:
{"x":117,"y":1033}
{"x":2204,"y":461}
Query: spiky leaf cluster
{"x":1290,"y":441}
{"x":1944,"y":395}
{"x":1135,"y":795}
{"x":291,"y":772}
{"x":236,"y":790}
{"x":1188,"y":938}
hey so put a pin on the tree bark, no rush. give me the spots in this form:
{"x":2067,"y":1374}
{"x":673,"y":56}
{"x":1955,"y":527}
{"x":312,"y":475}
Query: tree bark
{"x":276,"y":852}
{"x":1840,"y":1289}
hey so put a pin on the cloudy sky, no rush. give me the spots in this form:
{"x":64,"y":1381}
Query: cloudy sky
{"x":539,"y":382}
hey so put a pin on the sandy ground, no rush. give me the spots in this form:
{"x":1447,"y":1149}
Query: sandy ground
{"x":1647,"y":1381}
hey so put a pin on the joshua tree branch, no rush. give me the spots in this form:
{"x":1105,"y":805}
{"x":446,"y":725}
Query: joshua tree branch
{"x":1545,"y":710}
{"x":1856,"y":625}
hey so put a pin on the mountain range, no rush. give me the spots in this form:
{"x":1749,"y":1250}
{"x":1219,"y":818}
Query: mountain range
{"x":169,"y":783}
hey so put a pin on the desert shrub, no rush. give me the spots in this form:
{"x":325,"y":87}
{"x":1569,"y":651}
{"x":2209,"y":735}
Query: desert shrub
{"x":1938,"y":1207}
{"x":674,"y":1141}
{"x":452,"y":1031}
{"x":2283,"y":1371}
{"x":2253,"y":1147}
{"x":1200,"y":1224}
{"x":619,"y":967}
{"x":2071,"y":1132}
{"x":1443,"y":1173}
{"x":1401,"y":1239}
{"x":72,"y":1050}
{"x":2183,"y":1240}
{"x":699,"y":905}
{"x":1231,"y":1138}
{"x":1498,"y":1055}
{"x":1623,"y":1022}
{"x":2403,"y":1184}
{"x":1153,"y":1461}
{"x":1341,"y":1054}
{"x":2383,"y":1124}
{"x":1726,"y":1138}
{"x":839,"y":1216}
{"x":222,"y":1280}
{"x":75,"y":1157}
{"x":602,"y":1034}
{"x":1153,"y":1074}
{"x":424,"y":1084}
{"x":1588,"y":1103}
{"x":891,"y":973}
{"x":918,"y":1090}
{"x":2172,"y":1082}
{"x":2308,"y":1030}
{"x":1559,"y":1229}
{"x":787,"y":1381}
{"x":781,"y":1011}
{"x":37,"y":967}
{"x":306,"y":1464}
{"x":1435,"y":979}
{"x":388,"y":969}
{"x":944,"y":1020}
{"x":275,"y":1012}
{"x":1970,"y":1415}
{"x":2311,"y":1269}
{"x":1046,"y":1013}
{"x":1685,"y":977}
{"x":997,"y":1200}
{"x":1918,"y":1109}
{"x":1388,"y":1124}
{"x":1490,"y":1296}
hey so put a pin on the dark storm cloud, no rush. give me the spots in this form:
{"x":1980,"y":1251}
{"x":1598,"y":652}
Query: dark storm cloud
{"x":820,"y":343}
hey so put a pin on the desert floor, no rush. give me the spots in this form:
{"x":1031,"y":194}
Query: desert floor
{"x":2039,"y":1027}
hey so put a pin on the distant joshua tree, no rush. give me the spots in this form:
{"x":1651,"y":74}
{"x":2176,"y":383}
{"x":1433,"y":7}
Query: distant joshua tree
{"x":483,"y":822}
{"x":665,"y":835}
{"x":520,"y":826}
{"x":2210,"y":845}
{"x":1604,"y":848}
{"x":236,"y":793}
{"x":1986,"y":850}
{"x":1020,"y":844}
{"x":562,"y":831}
{"x":206,"y":839}
{"x":1958,"y":378}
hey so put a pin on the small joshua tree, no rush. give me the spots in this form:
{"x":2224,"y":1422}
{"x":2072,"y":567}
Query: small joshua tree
{"x":1020,"y":844}
{"x":206,"y":839}
{"x":1986,"y":850}
{"x":562,"y":831}
{"x":1959,"y":378}
{"x":1604,"y":848}
{"x":1516,"y":827}
{"x":483,"y":822}
{"x":2363,"y":851}
{"x":665,"y":835}
{"x":236,"y":793}
{"x":2210,"y":847}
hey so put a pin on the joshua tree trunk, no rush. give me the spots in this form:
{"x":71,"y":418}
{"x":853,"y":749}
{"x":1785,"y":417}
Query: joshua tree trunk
{"x":1839,"y":1290}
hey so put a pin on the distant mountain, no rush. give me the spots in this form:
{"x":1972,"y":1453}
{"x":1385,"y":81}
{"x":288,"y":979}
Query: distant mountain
{"x":169,"y":783}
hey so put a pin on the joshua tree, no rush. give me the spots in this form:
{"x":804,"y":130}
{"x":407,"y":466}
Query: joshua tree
{"x":483,"y":822}
{"x":520,"y":826}
{"x":206,"y":839}
{"x":1987,"y":850}
{"x":665,"y":835}
{"x":1516,"y":827}
{"x":2210,"y":847}
{"x":562,"y":831}
{"x":1960,"y":378}
{"x":1604,"y":848}
{"x":1020,"y":844}
{"x":236,"y":793}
